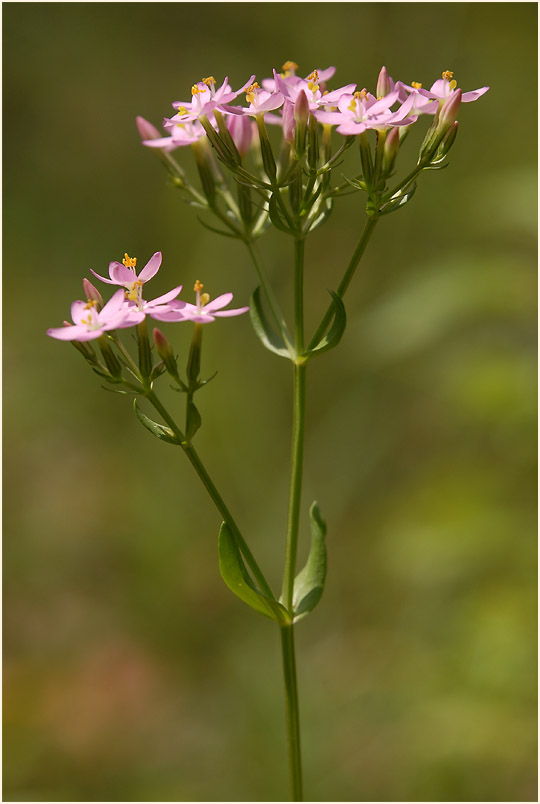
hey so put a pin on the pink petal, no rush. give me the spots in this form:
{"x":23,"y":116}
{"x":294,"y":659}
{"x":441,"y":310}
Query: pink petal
{"x":108,"y":281}
{"x":219,"y":301}
{"x":473,"y":94}
{"x":67,"y":333}
{"x":113,"y":306}
{"x":151,"y":268}
{"x":225,"y":313}
{"x":350,"y":127}
{"x":172,"y":294}
{"x":120,"y":274}
{"x":78,"y":311}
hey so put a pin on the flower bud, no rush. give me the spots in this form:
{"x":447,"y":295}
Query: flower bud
{"x":288,"y":122}
{"x":194,"y":360}
{"x":383,"y":83}
{"x":241,"y":131}
{"x":111,"y":361}
{"x":205,"y":170}
{"x":301,"y":116}
{"x":449,"y":111}
{"x":391,"y":148}
{"x":146,"y":130}
{"x":164,"y":350}
{"x":92,"y":293}
{"x":449,"y":138}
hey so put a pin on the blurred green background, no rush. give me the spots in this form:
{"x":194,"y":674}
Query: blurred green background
{"x":131,"y":672}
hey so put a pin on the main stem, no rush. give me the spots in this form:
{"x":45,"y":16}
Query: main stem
{"x":293,"y":520}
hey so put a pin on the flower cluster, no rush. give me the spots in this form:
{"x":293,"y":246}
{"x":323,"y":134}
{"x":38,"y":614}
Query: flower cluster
{"x":281,"y":98}
{"x":127,"y":307}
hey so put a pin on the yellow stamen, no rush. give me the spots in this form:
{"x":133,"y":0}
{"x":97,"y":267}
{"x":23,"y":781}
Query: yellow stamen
{"x":209,"y":80}
{"x":314,"y":76}
{"x":195,"y":90}
{"x":289,"y":66}
{"x":250,"y":91}
{"x":129,"y":262}
{"x":181,"y":110}
{"x":416,"y":84}
{"x":90,"y":303}
{"x":360,"y":95}
{"x":453,"y":84}
{"x":447,"y":75}
{"x":205,"y":298}
{"x":198,"y":286}
{"x":133,"y":294}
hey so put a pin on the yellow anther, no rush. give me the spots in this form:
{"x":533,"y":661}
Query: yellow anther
{"x":416,"y":84}
{"x":289,"y":67}
{"x":198,"y":286}
{"x":195,"y":90}
{"x":380,"y":97}
{"x":313,"y":77}
{"x":209,"y":80}
{"x":447,"y":75}
{"x":90,"y":303}
{"x":360,"y":95}
{"x":129,"y":262}
{"x":250,"y":91}
{"x":453,"y":84}
{"x":205,"y":298}
{"x":181,"y":110}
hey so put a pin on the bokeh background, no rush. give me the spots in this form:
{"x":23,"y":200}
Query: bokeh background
{"x":131,"y":672}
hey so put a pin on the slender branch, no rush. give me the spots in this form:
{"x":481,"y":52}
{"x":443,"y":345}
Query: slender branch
{"x":347,"y":277}
{"x":214,"y":493}
{"x":299,"y":295}
{"x":272,"y":301}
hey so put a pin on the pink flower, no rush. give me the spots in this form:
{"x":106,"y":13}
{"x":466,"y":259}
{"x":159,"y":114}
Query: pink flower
{"x":156,"y":308}
{"x":204,"y":310}
{"x":205,"y":98}
{"x":124,"y":274}
{"x":260,"y":101}
{"x":241,"y":130}
{"x":442,"y":89}
{"x":90,"y":324}
{"x":363,"y":111}
{"x":181,"y":134}
{"x":290,"y":78}
{"x":311,"y":87}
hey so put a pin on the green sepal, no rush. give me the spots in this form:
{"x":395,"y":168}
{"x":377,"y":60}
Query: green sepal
{"x":309,"y":583}
{"x":394,"y":204}
{"x":335,"y":333}
{"x":262,"y":328}
{"x":276,"y":216}
{"x":234,"y":573}
{"x":358,"y":184}
{"x":193,"y":421}
{"x":158,"y":430}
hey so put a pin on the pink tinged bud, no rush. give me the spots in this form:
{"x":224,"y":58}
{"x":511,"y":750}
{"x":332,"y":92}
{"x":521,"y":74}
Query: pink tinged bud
{"x":301,"y":109}
{"x":449,"y":110}
{"x":146,"y":130}
{"x":383,"y":83}
{"x":241,"y":131}
{"x":391,"y":145}
{"x":288,"y":121}
{"x":165,"y":352}
{"x":92,"y":293}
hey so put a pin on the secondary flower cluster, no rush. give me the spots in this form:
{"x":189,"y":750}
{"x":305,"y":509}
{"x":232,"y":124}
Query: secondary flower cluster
{"x":281,"y":98}
{"x":127,"y":307}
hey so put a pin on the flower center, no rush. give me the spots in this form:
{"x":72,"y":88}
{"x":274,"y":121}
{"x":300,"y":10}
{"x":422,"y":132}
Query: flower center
{"x":201,"y":298}
{"x":251,"y":94}
{"x":90,"y":303}
{"x":313,"y":81}
{"x":134,"y":292}
{"x":448,"y":75}
{"x":416,"y":84}
{"x":129,"y":262}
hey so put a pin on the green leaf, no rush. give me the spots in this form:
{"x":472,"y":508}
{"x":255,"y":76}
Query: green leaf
{"x":159,"y":430}
{"x":276,"y":215}
{"x":358,"y":184}
{"x":335,"y":333}
{"x":234,"y":573}
{"x":394,"y":204}
{"x":193,"y":420}
{"x":262,"y":328}
{"x":309,"y":583}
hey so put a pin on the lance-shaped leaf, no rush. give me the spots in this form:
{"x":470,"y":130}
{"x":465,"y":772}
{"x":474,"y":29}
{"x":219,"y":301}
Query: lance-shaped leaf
{"x":159,"y":430}
{"x":396,"y":203}
{"x":193,"y":420}
{"x":309,"y":583}
{"x":215,"y":230}
{"x":234,"y":573}
{"x":263,"y":330}
{"x":335,"y":333}
{"x":276,"y":215}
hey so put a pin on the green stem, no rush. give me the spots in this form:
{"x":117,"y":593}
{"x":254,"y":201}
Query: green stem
{"x":296,"y":484}
{"x":214,"y":494}
{"x":291,"y":712}
{"x":299,"y":296}
{"x":347,"y":277}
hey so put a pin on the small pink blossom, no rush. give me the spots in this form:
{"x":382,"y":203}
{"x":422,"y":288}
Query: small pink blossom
{"x":311,"y":87}
{"x":203,"y":311}
{"x":90,"y":324}
{"x":205,"y":98}
{"x":180,"y":134}
{"x":260,"y":101}
{"x":124,"y":274}
{"x":361,"y":111}
{"x":441,"y":90}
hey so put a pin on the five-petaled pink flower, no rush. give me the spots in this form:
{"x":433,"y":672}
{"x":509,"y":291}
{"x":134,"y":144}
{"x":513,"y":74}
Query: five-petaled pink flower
{"x":204,"y":310}
{"x":361,"y":111}
{"x":440,"y":91}
{"x":90,"y":324}
{"x":205,"y":98}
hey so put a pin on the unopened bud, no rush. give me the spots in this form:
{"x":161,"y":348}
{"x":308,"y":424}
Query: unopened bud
{"x":391,"y":148}
{"x":241,"y":130}
{"x":448,"y":139}
{"x":146,"y":130}
{"x":383,"y":83}
{"x":194,"y":360}
{"x":164,"y":350}
{"x":92,"y":293}
{"x":204,"y":167}
{"x":449,"y":111}
{"x":301,"y":116}
{"x":288,"y":122}
{"x":111,"y":361}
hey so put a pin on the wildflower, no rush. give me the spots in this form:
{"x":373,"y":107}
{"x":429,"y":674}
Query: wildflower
{"x":260,"y":101}
{"x":180,"y":134}
{"x":205,"y":98}
{"x":241,"y":130}
{"x":124,"y":273}
{"x":443,"y":88}
{"x":311,"y":87}
{"x":361,"y":111}
{"x":90,"y":324}
{"x":204,"y":310}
